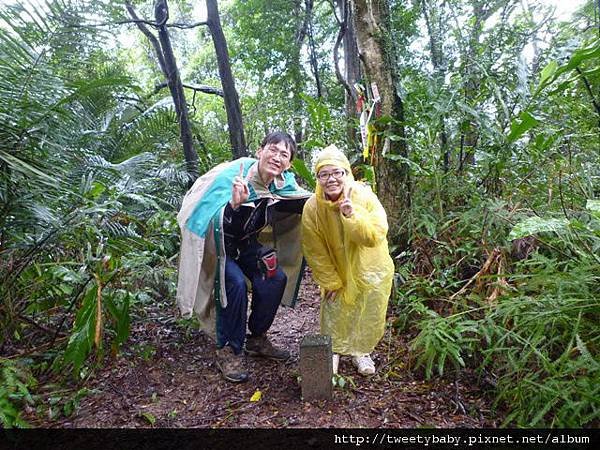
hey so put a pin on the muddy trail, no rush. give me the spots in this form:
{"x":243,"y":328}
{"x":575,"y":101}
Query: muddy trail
{"x":165,"y":377}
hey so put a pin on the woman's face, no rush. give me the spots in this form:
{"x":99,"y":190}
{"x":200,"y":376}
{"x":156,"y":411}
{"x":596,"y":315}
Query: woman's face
{"x":332,"y":180}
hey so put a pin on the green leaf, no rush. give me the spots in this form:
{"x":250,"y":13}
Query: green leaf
{"x":404,"y":160}
{"x":368,"y":172}
{"x":15,"y":382}
{"x":542,"y":412}
{"x":441,"y":363}
{"x":149,"y":417}
{"x":590,"y":360}
{"x":118,"y":308}
{"x":97,"y":189}
{"x":562,"y":86}
{"x":593,"y":206}
{"x":548,"y":71}
{"x":581,"y":55}
{"x":82,"y":338}
{"x":521,"y":125}
{"x":26,"y":169}
{"x":302,"y":171}
{"x":534,"y":225}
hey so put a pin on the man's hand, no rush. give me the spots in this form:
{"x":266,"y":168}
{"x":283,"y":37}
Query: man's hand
{"x":346,"y":204}
{"x":239,"y":191}
{"x":330,"y":296}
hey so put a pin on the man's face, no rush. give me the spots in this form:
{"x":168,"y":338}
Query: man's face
{"x":273,"y":159}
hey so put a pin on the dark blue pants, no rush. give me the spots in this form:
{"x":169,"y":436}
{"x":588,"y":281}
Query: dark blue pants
{"x":266,"y":297}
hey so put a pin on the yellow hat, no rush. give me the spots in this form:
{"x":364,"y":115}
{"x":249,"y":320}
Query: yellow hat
{"x":331,"y":155}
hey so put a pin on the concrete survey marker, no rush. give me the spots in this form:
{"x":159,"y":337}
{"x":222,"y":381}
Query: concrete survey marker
{"x":316,"y":367}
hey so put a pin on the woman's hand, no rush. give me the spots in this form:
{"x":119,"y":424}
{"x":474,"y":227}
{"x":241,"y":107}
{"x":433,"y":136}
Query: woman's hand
{"x":239,"y":191}
{"x":346,"y":204}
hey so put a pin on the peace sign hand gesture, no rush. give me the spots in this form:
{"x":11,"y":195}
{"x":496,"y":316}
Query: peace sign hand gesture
{"x":346,"y":204}
{"x":239,"y":191}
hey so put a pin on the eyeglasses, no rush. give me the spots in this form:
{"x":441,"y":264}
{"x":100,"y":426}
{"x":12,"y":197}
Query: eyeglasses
{"x":284,"y":155}
{"x":337,"y":174}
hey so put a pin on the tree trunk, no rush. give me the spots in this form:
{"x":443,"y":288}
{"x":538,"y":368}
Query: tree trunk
{"x":232,"y":101}
{"x":434,"y":29}
{"x":299,"y":136}
{"x":302,"y":15}
{"x":375,"y":47}
{"x":312,"y":51}
{"x":351,"y":58}
{"x":161,"y":13}
{"x":482,"y":11}
{"x":168,"y":66}
{"x":347,"y":37}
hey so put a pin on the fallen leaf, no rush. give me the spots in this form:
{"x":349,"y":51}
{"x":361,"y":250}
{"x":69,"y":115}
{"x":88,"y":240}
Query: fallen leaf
{"x":149,"y":417}
{"x":256,"y":396}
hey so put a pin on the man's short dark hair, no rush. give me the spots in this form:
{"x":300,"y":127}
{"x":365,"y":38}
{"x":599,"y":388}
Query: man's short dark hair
{"x":280,"y":136}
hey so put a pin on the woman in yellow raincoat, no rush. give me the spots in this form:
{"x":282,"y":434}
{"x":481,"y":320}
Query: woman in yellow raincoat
{"x":344,"y":231}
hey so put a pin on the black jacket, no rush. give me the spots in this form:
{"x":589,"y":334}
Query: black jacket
{"x":241,"y":227}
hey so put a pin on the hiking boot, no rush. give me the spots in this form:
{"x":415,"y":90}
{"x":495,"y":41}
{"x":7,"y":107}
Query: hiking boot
{"x":261,"y":346}
{"x":364,"y":364}
{"x":231,"y":365}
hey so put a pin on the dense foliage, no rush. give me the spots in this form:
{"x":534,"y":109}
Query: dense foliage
{"x":502,"y":275}
{"x":503,"y":271}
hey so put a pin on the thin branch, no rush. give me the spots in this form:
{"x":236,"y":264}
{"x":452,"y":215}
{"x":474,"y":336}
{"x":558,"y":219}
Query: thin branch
{"x":195,"y":87}
{"x":589,"y":89}
{"x":303,"y":29}
{"x":336,"y":59}
{"x":337,"y":19}
{"x":37,"y":325}
{"x":36,"y":349}
{"x":38,"y":246}
{"x":133,"y":101}
{"x":314,"y":63}
{"x":112,"y":24}
{"x":187,"y":25}
{"x":560,"y":192}
{"x":153,"y":40}
{"x":587,"y":28}
{"x":137,"y":22}
{"x":205,"y":89}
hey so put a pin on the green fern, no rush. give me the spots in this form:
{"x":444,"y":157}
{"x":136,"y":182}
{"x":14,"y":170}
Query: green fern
{"x":15,"y":385}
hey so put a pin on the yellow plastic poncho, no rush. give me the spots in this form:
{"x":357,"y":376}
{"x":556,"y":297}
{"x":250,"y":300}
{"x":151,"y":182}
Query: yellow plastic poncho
{"x":349,"y":255}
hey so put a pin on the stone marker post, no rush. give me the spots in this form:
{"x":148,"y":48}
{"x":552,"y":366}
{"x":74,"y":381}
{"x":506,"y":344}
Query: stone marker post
{"x":316,"y":367}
